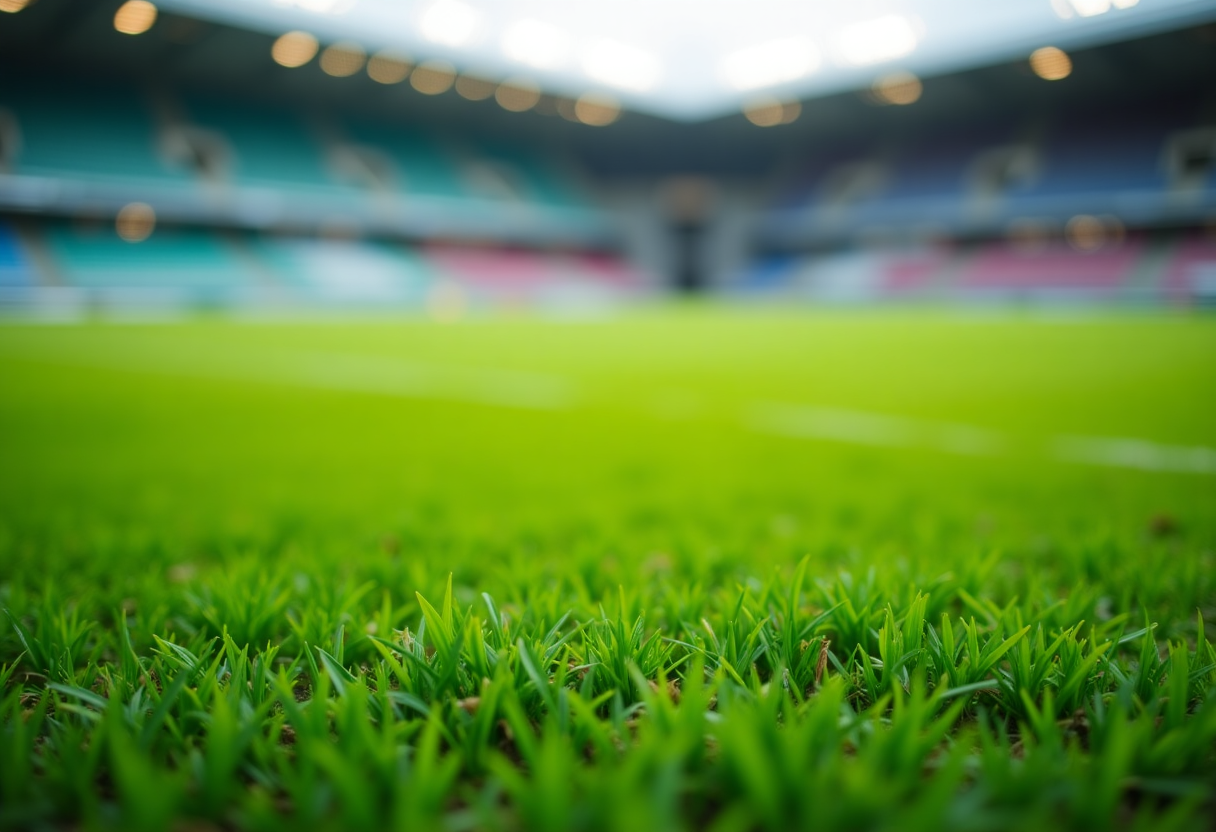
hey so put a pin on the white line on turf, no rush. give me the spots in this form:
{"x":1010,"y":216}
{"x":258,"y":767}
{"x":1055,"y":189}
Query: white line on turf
{"x":863,"y":428}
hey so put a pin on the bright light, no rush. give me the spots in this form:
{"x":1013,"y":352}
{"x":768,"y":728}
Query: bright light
{"x":1091,"y":8}
{"x":621,"y":65}
{"x":433,"y":77}
{"x":13,"y":6}
{"x":596,"y":110}
{"x":883,"y":39}
{"x":474,"y":88}
{"x":135,"y":17}
{"x":517,"y":95}
{"x":388,"y":68}
{"x":343,"y":59}
{"x":536,"y":43}
{"x":319,"y":6}
{"x":897,"y":88}
{"x":294,"y":49}
{"x":1050,"y":63}
{"x":450,"y":22}
{"x":768,"y":111}
{"x":1125,"y":4}
{"x":770,"y":63}
{"x":135,"y":222}
{"x":1085,"y":233}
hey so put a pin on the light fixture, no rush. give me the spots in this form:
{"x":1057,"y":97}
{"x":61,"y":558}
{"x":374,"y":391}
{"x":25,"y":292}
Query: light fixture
{"x":342,"y":60}
{"x":13,"y":6}
{"x":536,"y":43}
{"x":621,"y":65}
{"x":1090,"y":8}
{"x":474,"y":88}
{"x":433,"y":77}
{"x":770,"y":63}
{"x":769,"y":111}
{"x":1050,"y":63}
{"x":517,"y":95}
{"x":595,"y":110}
{"x":1085,"y":233}
{"x":388,"y":68}
{"x":135,"y":222}
{"x":898,"y":88}
{"x":874,"y":41}
{"x":294,"y":49}
{"x":135,"y":17}
{"x":449,"y":22}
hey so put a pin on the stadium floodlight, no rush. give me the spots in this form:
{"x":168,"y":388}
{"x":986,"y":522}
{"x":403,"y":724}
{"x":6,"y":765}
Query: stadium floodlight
{"x":774,"y":62}
{"x":696,"y":59}
{"x":1090,"y":8}
{"x":621,"y":65}
{"x":876,"y":41}
{"x":536,"y":43}
{"x":135,"y":17}
{"x":450,"y":23}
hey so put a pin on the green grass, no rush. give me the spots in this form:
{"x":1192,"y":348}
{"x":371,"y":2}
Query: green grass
{"x":685,"y":569}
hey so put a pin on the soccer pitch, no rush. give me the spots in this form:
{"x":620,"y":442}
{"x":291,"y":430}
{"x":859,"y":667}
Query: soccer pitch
{"x":687,"y":568}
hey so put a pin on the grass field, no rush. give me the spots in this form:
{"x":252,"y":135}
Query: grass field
{"x":682,"y":569}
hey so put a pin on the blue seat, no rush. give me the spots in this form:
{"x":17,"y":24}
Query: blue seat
{"x":16,"y":270}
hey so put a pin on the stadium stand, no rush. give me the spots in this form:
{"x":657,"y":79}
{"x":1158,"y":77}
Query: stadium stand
{"x":1005,"y":267}
{"x":121,"y":135}
{"x":172,"y":265}
{"x":1190,"y":276}
{"x":345,"y":271}
{"x":15,"y":268}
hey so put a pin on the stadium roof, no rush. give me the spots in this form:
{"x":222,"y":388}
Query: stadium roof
{"x":698,"y":59}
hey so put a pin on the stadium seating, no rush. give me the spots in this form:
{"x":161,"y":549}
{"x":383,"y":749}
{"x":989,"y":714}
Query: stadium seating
{"x":116,"y":124}
{"x":184,"y":265}
{"x":1190,"y":275}
{"x":1003,"y":267}
{"x":851,"y":275}
{"x":421,"y":166}
{"x":345,"y":271}
{"x":269,"y":147}
{"x":15,"y":268}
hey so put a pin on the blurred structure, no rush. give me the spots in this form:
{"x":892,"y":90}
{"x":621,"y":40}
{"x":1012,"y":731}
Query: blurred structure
{"x":202,"y":156}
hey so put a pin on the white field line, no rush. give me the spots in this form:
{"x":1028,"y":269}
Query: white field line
{"x":861,"y":428}
{"x":864,"y":428}
{"x":1121,"y":452}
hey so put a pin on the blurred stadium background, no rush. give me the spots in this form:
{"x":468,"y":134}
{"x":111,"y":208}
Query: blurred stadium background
{"x":451,"y":156}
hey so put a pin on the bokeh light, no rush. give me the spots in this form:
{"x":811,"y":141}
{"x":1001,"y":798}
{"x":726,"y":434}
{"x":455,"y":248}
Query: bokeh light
{"x":135,"y":222}
{"x":450,"y":22}
{"x":135,"y":17}
{"x":769,"y":111}
{"x":342,"y":60}
{"x":536,"y":43}
{"x":294,"y":49}
{"x":474,"y":88}
{"x":764,"y":112}
{"x":13,"y":6}
{"x":1050,"y":63}
{"x":1086,"y":233}
{"x":446,"y":302}
{"x":388,"y":68}
{"x":517,"y":95}
{"x":899,"y":88}
{"x":595,"y":110}
{"x":433,"y":77}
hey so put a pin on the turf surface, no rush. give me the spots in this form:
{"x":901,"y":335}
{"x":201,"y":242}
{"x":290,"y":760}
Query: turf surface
{"x":683,"y":569}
